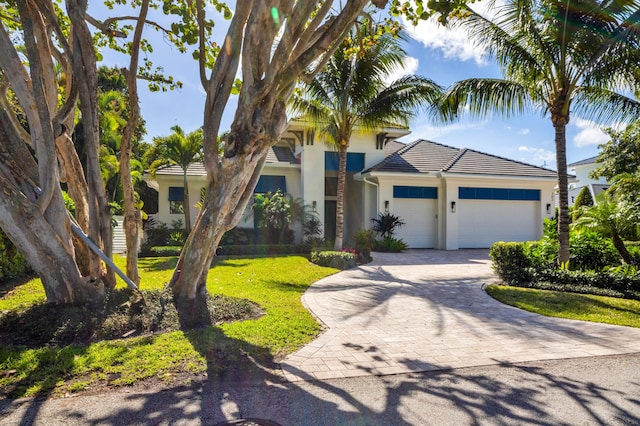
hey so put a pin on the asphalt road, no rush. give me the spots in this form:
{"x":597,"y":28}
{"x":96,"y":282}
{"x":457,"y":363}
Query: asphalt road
{"x":582,"y":391}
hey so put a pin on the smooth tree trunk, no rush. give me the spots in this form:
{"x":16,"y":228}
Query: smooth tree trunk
{"x":132,"y":217}
{"x":560,"y":126}
{"x":342,"y":178}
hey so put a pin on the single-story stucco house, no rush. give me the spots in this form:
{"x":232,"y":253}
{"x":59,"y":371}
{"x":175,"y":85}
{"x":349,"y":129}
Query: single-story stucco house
{"x":449,"y":197}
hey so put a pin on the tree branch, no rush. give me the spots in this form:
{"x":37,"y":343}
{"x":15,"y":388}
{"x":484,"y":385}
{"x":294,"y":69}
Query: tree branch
{"x":202,"y":59}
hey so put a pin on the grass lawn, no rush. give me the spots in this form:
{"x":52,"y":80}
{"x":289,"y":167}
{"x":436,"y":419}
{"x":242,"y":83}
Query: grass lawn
{"x":275,"y":284}
{"x":585,"y":307}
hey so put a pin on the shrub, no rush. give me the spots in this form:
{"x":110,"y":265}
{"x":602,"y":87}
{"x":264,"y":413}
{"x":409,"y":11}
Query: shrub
{"x":591,"y":251}
{"x":510,"y":262}
{"x":164,"y":251}
{"x":391,"y":245}
{"x":584,"y":199}
{"x":365,"y":241}
{"x":386,"y":223}
{"x":12,"y":262}
{"x":263,"y":249}
{"x":334,"y":259}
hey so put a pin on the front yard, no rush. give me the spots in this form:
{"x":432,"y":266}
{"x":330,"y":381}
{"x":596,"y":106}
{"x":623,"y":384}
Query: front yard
{"x":178,"y":357}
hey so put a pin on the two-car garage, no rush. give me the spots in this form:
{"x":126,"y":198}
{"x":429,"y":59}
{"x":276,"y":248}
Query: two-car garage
{"x":482,"y":215}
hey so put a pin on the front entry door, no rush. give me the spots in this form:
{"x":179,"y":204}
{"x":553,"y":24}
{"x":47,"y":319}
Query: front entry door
{"x":330,"y":207}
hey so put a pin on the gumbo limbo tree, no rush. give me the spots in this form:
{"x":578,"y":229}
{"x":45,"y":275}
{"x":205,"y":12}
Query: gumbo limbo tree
{"x":278,"y":43}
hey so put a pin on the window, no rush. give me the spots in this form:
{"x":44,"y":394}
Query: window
{"x":430,"y":192}
{"x":176,"y":200}
{"x":467,"y":193}
{"x":268,"y":183}
{"x":331,"y":186}
{"x":355,"y":161}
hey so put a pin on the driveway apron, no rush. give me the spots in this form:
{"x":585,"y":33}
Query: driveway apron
{"x":426,"y":310}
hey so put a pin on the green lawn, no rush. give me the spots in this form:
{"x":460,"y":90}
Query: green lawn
{"x":585,"y":307}
{"x":276,"y":284}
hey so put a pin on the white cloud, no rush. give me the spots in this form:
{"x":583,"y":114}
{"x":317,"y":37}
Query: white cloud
{"x":589,"y":133}
{"x":524,"y":131}
{"x":426,"y":130}
{"x":409,"y":67}
{"x":539,"y":155}
{"x":453,"y":41}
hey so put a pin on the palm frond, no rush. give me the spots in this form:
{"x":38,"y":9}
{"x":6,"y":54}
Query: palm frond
{"x":602,"y":105}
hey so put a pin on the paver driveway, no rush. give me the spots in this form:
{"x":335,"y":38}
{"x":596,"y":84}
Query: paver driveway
{"x":426,"y":310}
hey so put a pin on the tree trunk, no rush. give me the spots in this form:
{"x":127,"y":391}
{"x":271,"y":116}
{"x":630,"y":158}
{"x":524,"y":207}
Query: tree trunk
{"x":132,"y":217}
{"x":342,"y":178}
{"x":186,"y":202}
{"x":560,"y":126}
{"x":40,"y":245}
{"x":622,"y":249}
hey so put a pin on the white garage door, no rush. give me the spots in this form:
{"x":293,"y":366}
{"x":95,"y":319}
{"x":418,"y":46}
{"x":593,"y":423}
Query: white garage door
{"x":483,"y":222}
{"x":419,"y":215}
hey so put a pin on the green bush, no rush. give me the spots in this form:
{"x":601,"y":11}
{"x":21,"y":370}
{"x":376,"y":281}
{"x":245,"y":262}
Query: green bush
{"x":591,"y":251}
{"x":12,"y":262}
{"x":164,"y":251}
{"x":510,"y":262}
{"x":391,"y":245}
{"x":365,"y":241}
{"x":615,"y":283}
{"x":263,"y":249}
{"x":334,"y":259}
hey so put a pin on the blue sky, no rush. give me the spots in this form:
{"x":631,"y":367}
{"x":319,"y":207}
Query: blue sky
{"x":443,"y":55}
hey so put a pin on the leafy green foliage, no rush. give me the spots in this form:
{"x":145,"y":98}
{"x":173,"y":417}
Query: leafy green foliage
{"x":365,"y":242}
{"x":386,"y":224}
{"x":621,"y":154}
{"x":510,"y":262}
{"x":12,"y":262}
{"x":584,"y":199}
{"x":391,"y":244}
{"x":334,"y":259}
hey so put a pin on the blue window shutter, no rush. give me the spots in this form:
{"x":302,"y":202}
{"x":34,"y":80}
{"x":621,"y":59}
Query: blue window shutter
{"x":271,"y":184}
{"x":176,"y":193}
{"x":355,"y":161}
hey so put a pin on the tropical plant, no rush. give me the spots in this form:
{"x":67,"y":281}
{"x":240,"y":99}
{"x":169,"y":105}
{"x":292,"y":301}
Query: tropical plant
{"x":386,"y":223}
{"x":584,"y":199}
{"x":182,"y":149}
{"x":352,"y":94}
{"x":613,"y":219}
{"x":626,"y":187}
{"x":558,"y":58}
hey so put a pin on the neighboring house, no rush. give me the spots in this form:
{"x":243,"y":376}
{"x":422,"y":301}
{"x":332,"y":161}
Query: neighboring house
{"x":582,"y":169}
{"x":450,"y":198}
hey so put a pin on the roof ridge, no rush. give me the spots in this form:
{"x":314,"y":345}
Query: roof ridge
{"x":512,"y":160}
{"x":454,"y":159}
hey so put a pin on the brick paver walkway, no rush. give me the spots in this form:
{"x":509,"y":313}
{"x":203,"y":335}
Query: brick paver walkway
{"x":426,"y":310}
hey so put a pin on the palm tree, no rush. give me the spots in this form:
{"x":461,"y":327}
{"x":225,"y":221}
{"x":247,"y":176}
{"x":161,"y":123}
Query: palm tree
{"x":181,"y":149}
{"x":557,"y":58}
{"x":352,"y":92}
{"x":611,"y":218}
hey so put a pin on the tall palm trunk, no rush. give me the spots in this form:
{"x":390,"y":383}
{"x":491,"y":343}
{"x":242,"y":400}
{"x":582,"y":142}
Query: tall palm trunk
{"x":560,"y":126}
{"x":342,"y":178}
{"x":187,"y":202}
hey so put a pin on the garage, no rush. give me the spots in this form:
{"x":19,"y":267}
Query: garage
{"x":417,"y":207}
{"x":487,"y":215}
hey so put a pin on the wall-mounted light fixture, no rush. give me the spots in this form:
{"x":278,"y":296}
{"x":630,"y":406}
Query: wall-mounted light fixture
{"x":314,"y":205}
{"x":453,"y":207}
{"x":386,"y":206}
{"x":548,"y":208}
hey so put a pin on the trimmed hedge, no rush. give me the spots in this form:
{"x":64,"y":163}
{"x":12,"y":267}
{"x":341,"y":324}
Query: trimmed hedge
{"x":334,"y":259}
{"x":512,"y":262}
{"x":239,"y":250}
